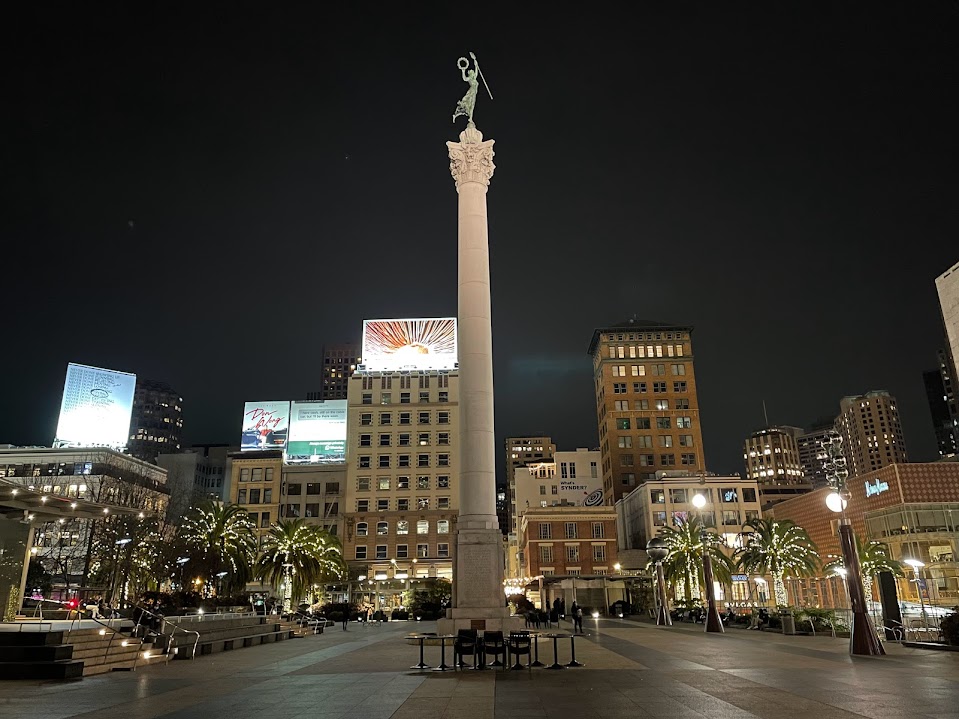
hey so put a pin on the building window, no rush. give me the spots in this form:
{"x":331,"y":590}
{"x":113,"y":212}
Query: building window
{"x":667,"y":460}
{"x":402,"y":551}
{"x":749,"y":495}
{"x":621,"y":405}
{"x":658,"y":369}
{"x":362,"y":484}
{"x":663,"y":423}
{"x":362,"y":529}
{"x":424,"y":397}
{"x":646,"y":460}
{"x":682,"y":403}
{"x":423,"y":439}
{"x":641,"y":405}
{"x":360,"y":552}
{"x":382,"y":528}
{"x":545,"y":553}
{"x":443,"y":526}
{"x":730,"y":518}
{"x":423,"y":481}
{"x":659,"y":387}
{"x":728,"y":495}
{"x":657,"y":496}
{"x":383,"y":483}
{"x":619,"y":388}
{"x":442,"y":460}
{"x":659,"y":519}
{"x":684,"y":423}
{"x":443,"y":550}
{"x":444,"y":397}
{"x":625,"y":442}
{"x":422,"y":550}
{"x":294,"y":489}
{"x":405,"y":439}
{"x":362,"y":505}
{"x":639,"y":387}
{"x":638,"y":370}
{"x":385,"y":440}
{"x":366,"y":419}
{"x":598,"y":530}
{"x":599,"y":552}
{"x":403,"y":460}
{"x":442,"y":502}
{"x":571,"y":531}
{"x":422,"y":460}
{"x":622,"y":423}
{"x":367,"y":399}
{"x":386,"y":418}
{"x":424,"y":417}
{"x":443,"y":481}
{"x":443,"y":438}
{"x":679,"y":387}
{"x":422,"y":503}
{"x":678,"y":369}
{"x":404,"y":397}
{"x":331,"y":509}
{"x":241,"y":497}
{"x":689,"y":459}
{"x":545,"y":530}
{"x":402,"y":526}
{"x":381,"y":551}
{"x":572,"y":553}
{"x":254,"y":496}
{"x":403,"y":504}
{"x":383,"y":461}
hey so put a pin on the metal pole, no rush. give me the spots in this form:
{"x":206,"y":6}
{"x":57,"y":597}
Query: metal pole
{"x":922,"y":603}
{"x":662,"y":616}
{"x":862,"y":636}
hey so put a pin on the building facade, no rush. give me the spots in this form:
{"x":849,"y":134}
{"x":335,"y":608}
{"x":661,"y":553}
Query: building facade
{"x":156,"y":423}
{"x":519,"y":452}
{"x":255,"y":478}
{"x":912,"y":508}
{"x":569,"y":541}
{"x":316,"y":493}
{"x":941,"y":396}
{"x":339,"y":363}
{"x":771,"y":456}
{"x":947,"y":287}
{"x":401,"y":494}
{"x":871,"y":432}
{"x":666,"y":501}
{"x":67,"y":548}
{"x":646,"y":403}
{"x":811,"y":454}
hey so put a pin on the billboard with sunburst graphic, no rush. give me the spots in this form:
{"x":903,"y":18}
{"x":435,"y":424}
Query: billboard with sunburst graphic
{"x":426,"y":343}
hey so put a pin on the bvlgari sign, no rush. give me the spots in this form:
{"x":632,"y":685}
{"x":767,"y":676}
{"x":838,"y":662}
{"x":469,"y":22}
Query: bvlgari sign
{"x":876,"y":487}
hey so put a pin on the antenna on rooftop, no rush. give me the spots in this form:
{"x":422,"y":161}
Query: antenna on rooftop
{"x":765,"y":416}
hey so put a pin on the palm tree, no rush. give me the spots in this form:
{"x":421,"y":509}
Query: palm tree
{"x":684,"y":564}
{"x":221,"y":538}
{"x":873,"y":558}
{"x":309,"y":553}
{"x":776,"y":548}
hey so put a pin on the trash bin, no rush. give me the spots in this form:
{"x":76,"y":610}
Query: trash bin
{"x":789,"y":622}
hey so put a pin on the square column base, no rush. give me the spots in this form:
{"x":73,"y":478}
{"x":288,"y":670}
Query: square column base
{"x":491,"y":619}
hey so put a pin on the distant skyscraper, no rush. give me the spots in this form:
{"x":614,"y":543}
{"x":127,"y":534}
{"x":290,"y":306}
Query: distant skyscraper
{"x":646,"y":403}
{"x":871,"y":432}
{"x":339,"y":363}
{"x":772,"y":456}
{"x":811,"y":455}
{"x":938,"y":395}
{"x":521,"y":451}
{"x":947,"y":285}
{"x":156,"y":425}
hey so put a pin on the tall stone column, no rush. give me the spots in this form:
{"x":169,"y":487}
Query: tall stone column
{"x":478,"y":582}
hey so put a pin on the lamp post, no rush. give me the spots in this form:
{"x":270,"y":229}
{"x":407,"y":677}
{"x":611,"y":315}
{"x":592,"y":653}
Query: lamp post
{"x":916,"y":566}
{"x":713,"y":622}
{"x":658,"y":551}
{"x":862,"y":637}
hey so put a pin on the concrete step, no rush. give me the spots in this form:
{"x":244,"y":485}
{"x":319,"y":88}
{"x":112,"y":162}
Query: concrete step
{"x":63,"y":669}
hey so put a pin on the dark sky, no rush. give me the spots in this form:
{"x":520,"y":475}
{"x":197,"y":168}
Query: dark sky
{"x":207,"y":197}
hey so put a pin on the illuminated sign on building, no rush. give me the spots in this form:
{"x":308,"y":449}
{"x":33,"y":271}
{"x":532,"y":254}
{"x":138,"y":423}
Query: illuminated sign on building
{"x":96,"y":407}
{"x":413,"y":344}
{"x":876,"y":488}
{"x":317,"y":432}
{"x":265,"y":425}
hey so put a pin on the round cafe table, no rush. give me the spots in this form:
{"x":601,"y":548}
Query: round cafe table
{"x":444,"y":667}
{"x":422,"y":638}
{"x":555,"y":636}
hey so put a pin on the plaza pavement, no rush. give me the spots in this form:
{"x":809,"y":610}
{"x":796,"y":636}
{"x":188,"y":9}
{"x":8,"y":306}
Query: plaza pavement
{"x":632,"y":670}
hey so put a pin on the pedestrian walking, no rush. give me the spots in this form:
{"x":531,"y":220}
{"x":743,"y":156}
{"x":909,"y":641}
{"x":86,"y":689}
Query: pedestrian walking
{"x":346,"y":615}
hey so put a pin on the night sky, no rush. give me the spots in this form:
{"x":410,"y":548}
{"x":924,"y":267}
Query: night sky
{"x":206,"y":198}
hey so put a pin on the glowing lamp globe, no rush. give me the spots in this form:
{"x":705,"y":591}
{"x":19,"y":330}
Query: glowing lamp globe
{"x":699,"y":501}
{"x":657,"y":549}
{"x":835,"y":502}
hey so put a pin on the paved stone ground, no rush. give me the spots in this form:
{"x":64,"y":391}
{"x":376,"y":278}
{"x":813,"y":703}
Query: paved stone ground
{"x":632,"y":670}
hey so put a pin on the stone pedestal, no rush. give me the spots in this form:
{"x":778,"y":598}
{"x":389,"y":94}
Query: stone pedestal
{"x":478,"y":596}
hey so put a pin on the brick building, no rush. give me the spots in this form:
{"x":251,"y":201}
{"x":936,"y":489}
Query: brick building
{"x":568,"y":541}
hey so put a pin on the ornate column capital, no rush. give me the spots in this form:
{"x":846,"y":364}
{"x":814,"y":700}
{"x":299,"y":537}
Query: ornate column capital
{"x":471,"y":159}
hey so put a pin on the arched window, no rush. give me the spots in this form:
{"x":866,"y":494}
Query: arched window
{"x":443,"y":526}
{"x":382,"y":528}
{"x":362,"y":529}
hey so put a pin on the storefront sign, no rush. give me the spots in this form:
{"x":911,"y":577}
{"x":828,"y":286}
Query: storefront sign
{"x":876,"y":487}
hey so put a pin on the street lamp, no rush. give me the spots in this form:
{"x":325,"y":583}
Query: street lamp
{"x":713,"y":622}
{"x":862,"y":637}
{"x":916,"y":566}
{"x":658,"y":550}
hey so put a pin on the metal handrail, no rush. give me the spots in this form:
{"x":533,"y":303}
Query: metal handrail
{"x":311,"y":620}
{"x":114,"y":631}
{"x":198,"y":617}
{"x":811,"y":625}
{"x":30,"y":624}
{"x":172,"y":647}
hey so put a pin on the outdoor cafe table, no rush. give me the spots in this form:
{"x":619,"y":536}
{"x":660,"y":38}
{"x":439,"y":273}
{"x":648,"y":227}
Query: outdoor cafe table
{"x":556,"y":636}
{"x":422,"y":638}
{"x":444,"y":667}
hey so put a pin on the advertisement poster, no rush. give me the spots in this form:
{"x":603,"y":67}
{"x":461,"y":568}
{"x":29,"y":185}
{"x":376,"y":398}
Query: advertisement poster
{"x":390,"y":345}
{"x":317,"y":432}
{"x":265,"y":425}
{"x":96,"y":407}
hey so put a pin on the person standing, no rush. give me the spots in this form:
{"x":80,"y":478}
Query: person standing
{"x":346,"y":615}
{"x":577,"y":618}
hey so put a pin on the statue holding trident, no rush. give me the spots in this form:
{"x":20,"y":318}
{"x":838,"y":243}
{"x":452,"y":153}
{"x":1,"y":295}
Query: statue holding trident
{"x":466,"y":105}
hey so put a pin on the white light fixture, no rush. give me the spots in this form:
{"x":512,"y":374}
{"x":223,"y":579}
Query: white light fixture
{"x":379,"y":576}
{"x":841,"y":571}
{"x":361,"y":577}
{"x":835,"y":502}
{"x":402,"y":575}
{"x":914,"y":563}
{"x":699,"y":501}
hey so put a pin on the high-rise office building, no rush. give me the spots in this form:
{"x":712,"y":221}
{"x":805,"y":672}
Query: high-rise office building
{"x":339,"y":363}
{"x":646,"y":403}
{"x":772,"y":456}
{"x":812,"y":457}
{"x":402,"y":492}
{"x":156,"y":424}
{"x":947,"y":286}
{"x":521,"y":451}
{"x":938,"y":384}
{"x":871,"y":432}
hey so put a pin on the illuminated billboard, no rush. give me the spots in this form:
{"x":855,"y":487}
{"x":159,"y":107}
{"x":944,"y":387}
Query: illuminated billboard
{"x":265,"y":425}
{"x":96,"y":407}
{"x":409,"y":344}
{"x":317,"y":432}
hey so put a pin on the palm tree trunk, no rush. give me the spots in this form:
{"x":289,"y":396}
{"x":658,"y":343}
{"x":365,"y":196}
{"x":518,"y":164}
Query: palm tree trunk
{"x":779,"y":590}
